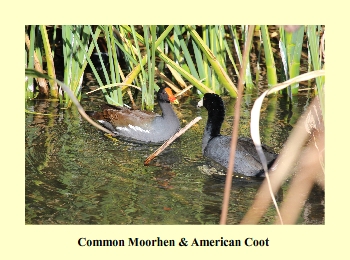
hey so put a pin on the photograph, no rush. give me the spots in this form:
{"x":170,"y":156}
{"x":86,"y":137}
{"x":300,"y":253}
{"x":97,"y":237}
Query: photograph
{"x":175,"y":125}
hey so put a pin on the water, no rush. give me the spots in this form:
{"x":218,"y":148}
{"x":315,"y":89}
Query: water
{"x":76,"y":175}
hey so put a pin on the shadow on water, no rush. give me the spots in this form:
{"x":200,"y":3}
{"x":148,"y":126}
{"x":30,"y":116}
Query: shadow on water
{"x":75,"y":175}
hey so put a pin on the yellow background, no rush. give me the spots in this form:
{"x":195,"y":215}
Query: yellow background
{"x":20,"y":241}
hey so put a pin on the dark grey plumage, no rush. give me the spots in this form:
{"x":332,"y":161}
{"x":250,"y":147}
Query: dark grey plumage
{"x":217,"y":147}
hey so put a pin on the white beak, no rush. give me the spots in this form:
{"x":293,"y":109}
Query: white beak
{"x":200,"y":103}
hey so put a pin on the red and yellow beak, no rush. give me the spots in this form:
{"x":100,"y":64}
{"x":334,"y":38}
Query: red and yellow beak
{"x":172,"y":98}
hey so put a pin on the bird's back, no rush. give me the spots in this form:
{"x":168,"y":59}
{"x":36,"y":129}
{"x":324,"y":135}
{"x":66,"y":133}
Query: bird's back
{"x":247,"y":161}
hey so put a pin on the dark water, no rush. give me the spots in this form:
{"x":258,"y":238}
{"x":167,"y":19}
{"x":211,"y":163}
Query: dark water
{"x":76,"y":175}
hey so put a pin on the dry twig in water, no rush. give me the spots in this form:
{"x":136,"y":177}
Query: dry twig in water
{"x":172,"y":139}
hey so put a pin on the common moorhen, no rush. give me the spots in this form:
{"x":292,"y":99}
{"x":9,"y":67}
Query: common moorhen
{"x":142,"y":126}
{"x":217,"y":147}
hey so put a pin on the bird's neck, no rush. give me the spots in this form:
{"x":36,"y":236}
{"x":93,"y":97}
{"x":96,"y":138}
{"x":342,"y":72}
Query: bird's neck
{"x":213,"y":127}
{"x":167,"y":111}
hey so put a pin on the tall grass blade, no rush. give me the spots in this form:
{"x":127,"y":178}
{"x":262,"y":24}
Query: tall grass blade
{"x":248,"y":75}
{"x":199,"y":61}
{"x":206,"y":64}
{"x":313,"y":38}
{"x":294,"y":42}
{"x":234,"y":36}
{"x":30,"y":63}
{"x":228,"y":50}
{"x":115,"y":95}
{"x":142,"y":62}
{"x":167,"y":60}
{"x":269,"y":60}
{"x":186,"y":52}
{"x":49,"y":62}
{"x":76,"y":53}
{"x":33,"y":58}
{"x":222,"y":75}
{"x":149,"y":97}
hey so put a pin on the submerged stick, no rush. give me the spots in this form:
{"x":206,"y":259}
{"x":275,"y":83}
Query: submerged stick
{"x":170,"y":140}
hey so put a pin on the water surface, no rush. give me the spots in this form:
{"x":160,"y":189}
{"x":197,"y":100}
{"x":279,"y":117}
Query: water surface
{"x":76,"y":175}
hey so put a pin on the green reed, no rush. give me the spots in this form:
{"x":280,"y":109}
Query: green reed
{"x":196,"y":53}
{"x":269,"y":59}
{"x":290,"y":47}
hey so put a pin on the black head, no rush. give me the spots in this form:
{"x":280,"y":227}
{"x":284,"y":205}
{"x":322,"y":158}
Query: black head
{"x":213,"y":103}
{"x":166,"y":95}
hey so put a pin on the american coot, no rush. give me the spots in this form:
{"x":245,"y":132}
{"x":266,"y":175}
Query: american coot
{"x":217,"y":147}
{"x":142,"y":126}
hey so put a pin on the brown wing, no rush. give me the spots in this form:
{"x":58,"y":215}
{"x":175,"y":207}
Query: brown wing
{"x":124,"y":116}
